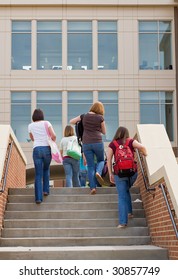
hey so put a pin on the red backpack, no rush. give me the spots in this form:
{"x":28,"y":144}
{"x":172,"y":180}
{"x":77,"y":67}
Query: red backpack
{"x":124,"y":165}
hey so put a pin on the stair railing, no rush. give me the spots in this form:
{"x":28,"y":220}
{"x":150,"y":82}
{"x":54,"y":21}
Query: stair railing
{"x":145,"y":179}
{"x":162,"y":187}
{"x":6,"y":166}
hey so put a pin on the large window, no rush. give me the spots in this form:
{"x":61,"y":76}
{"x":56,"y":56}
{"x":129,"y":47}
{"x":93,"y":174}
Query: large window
{"x":21,"y":114}
{"x":155,"y":45}
{"x":51,"y":104}
{"x":49,"y":45}
{"x":79,"y":103}
{"x":21,"y":45}
{"x":107,"y":45}
{"x":79,"y":45}
{"x":157,"y":108}
{"x":110,"y":101}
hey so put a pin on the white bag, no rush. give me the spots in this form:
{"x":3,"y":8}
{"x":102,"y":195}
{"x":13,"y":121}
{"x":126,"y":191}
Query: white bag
{"x":55,"y":153}
{"x":74,"y":149}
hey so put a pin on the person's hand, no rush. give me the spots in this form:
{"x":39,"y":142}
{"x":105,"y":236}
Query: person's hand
{"x":111,"y":178}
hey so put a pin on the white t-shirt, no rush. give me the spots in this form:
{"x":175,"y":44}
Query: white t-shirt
{"x":64,"y":142}
{"x":37,"y":129}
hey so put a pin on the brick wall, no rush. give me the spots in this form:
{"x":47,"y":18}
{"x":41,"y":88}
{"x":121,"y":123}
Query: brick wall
{"x":158,"y":219}
{"x":16,"y":177}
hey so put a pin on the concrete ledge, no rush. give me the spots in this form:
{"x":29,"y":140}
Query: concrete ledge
{"x":161,"y":161}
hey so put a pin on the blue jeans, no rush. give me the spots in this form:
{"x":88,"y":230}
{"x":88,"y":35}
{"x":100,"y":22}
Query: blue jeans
{"x":71,"y":169}
{"x":83,"y":177}
{"x":94,"y":154}
{"x":42,"y":160}
{"x":124,"y":197}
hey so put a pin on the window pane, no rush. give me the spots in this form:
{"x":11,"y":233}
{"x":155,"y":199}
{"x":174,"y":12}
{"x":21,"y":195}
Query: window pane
{"x":152,"y":55}
{"x":160,"y":113}
{"x":79,"y":51}
{"x":110,"y":101}
{"x":21,"y":51}
{"x":51,"y":104}
{"x":49,"y":26}
{"x":21,"y":26}
{"x":107,"y":26}
{"x":148,"y":59}
{"x":165,"y":51}
{"x":79,"y":26}
{"x":49,"y":45}
{"x":107,"y":51}
{"x":21,"y":114}
{"x":107,"y":45}
{"x":165,"y":26}
{"x":148,"y":26}
{"x":79,"y":103}
{"x":149,"y":114}
{"x":79,"y":45}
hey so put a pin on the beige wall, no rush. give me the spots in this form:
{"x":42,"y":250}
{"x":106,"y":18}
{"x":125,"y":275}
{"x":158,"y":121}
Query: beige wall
{"x":128,"y":80}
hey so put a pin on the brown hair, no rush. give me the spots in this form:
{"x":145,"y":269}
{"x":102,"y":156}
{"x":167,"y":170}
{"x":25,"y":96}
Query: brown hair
{"x":122,"y":134}
{"x":38,"y":115}
{"x":97,"y":108}
{"x":68,"y":131}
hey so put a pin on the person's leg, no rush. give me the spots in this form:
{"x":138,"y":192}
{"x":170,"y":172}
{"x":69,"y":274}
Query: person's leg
{"x":83,"y":178}
{"x":75,"y":172}
{"x":122,"y":186}
{"x":68,"y":172}
{"x":129,"y":200}
{"x":89,"y":154}
{"x":46,"y":169}
{"x":98,"y":149}
{"x":38,"y":163}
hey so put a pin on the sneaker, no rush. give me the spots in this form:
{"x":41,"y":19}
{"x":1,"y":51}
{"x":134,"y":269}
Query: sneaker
{"x":93,"y":191}
{"x":99,"y":178}
{"x":122,"y":226}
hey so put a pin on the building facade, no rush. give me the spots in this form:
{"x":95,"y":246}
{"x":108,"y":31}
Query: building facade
{"x":62,"y":56}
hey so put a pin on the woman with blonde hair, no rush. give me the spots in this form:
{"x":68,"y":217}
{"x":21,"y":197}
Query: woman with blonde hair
{"x":71,"y":165}
{"x":93,"y":146}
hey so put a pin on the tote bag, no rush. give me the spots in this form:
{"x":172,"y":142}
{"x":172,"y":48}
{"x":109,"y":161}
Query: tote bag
{"x":55,"y":153}
{"x":74,"y":149}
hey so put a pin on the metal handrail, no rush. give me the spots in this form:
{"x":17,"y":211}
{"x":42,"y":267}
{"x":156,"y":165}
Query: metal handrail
{"x":7,"y":166}
{"x":147,"y":186}
{"x":162,"y":187}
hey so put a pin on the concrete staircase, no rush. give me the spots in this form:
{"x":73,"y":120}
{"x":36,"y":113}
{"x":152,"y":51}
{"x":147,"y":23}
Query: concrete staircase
{"x":72,"y":224}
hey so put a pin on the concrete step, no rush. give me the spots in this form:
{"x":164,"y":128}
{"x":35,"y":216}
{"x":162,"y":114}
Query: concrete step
{"x":69,"y":223}
{"x":73,"y":232}
{"x":67,"y":214}
{"x":72,"y":224}
{"x":67,"y":206}
{"x":75,"y":241}
{"x":68,"y":191}
{"x":69,"y":198}
{"x":147,"y":252}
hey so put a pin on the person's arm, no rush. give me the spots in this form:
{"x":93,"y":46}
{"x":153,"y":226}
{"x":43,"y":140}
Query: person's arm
{"x":31,"y":136}
{"x":103,"y":127}
{"x":140,"y":147}
{"x":52,"y":133}
{"x":109,"y":160}
{"x":75,"y":120}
